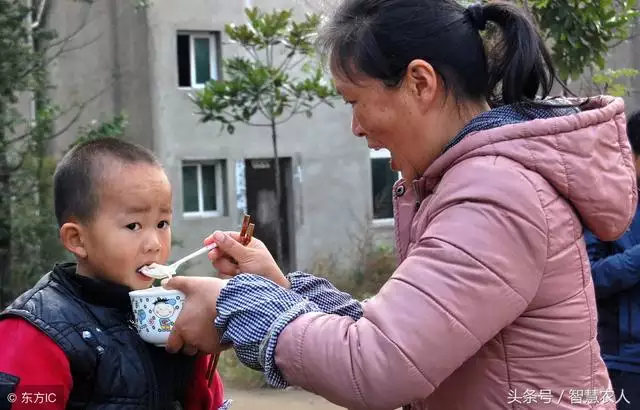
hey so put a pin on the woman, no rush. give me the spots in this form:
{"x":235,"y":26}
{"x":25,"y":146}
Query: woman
{"x":492,"y":305}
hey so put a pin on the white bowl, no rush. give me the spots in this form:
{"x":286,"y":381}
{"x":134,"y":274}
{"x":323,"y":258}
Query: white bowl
{"x":155,"y":311}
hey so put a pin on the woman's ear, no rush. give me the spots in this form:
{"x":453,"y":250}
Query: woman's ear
{"x":422,"y":78}
{"x":73,"y":238}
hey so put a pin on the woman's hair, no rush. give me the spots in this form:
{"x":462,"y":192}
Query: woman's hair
{"x":379,"y":38}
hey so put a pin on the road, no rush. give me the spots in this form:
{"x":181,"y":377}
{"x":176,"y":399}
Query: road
{"x":269,"y":399}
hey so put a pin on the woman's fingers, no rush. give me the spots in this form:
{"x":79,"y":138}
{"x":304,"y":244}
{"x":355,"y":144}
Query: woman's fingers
{"x":226,"y":267}
{"x":222,"y":262}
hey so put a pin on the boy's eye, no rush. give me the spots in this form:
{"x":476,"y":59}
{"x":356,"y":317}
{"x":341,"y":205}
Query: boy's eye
{"x":134,"y":226}
{"x":163,"y":225}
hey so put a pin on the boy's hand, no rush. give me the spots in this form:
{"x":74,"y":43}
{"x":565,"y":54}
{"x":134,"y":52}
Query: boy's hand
{"x":252,"y":258}
{"x":194,"y":330}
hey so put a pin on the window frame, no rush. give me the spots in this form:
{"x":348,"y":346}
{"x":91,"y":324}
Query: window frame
{"x":213,"y":37}
{"x":377,"y":154}
{"x":220,"y":189}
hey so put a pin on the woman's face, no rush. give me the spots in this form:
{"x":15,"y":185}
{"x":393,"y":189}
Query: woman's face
{"x":395,"y":118}
{"x":377,"y":113}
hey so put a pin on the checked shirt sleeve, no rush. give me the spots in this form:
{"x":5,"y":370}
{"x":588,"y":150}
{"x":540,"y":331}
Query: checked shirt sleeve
{"x":251,"y":313}
{"x":326,"y":296}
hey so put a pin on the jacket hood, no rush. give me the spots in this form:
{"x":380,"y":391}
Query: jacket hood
{"x":585,"y":156}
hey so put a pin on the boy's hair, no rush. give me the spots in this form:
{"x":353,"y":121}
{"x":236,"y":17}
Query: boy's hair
{"x":633,"y":132}
{"x":76,"y":181}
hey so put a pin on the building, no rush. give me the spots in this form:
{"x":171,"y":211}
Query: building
{"x":146,"y":62}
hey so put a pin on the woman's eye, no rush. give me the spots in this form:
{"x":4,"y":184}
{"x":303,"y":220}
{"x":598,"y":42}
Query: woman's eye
{"x":163,"y":225}
{"x":134,"y":226}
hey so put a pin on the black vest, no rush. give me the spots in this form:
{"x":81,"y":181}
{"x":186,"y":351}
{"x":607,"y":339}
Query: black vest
{"x":91,"y":321}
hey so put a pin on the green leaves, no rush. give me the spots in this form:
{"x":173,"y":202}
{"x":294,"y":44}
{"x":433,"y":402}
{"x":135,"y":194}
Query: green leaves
{"x":609,"y":81}
{"x":277,"y":78}
{"x":581,"y":33}
{"x":276,"y":28}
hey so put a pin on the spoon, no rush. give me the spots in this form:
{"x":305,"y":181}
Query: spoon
{"x":158,"y":271}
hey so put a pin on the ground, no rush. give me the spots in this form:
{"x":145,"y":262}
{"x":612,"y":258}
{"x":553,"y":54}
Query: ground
{"x":269,"y":399}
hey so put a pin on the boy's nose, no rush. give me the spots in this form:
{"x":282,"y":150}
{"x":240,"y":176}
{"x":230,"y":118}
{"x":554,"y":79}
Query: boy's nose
{"x":153,"y":243}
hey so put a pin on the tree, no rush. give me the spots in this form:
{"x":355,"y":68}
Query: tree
{"x":29,"y":121}
{"x":276,"y":81}
{"x":582,"y":33}
{"x":22,"y":75}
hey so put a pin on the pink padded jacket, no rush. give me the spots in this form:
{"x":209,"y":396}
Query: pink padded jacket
{"x":492,"y":305}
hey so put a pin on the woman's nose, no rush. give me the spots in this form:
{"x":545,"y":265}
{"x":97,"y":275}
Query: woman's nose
{"x":356,"y":128}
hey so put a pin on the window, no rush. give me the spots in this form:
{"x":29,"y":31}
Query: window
{"x":382,"y":180}
{"x":203,"y":188}
{"x":197,"y":59}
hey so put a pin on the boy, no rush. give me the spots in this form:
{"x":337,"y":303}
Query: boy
{"x":69,"y":342}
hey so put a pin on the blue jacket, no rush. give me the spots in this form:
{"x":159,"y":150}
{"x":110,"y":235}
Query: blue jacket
{"x":615,"y":268}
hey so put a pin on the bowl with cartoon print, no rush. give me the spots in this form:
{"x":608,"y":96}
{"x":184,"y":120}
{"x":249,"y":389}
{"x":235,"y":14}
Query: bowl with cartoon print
{"x":155,"y":311}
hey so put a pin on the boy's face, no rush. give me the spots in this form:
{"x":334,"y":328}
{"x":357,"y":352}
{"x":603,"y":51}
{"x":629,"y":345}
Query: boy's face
{"x":131,"y":227}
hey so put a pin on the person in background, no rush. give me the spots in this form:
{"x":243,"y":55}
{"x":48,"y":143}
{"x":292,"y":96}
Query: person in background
{"x":615,"y":267}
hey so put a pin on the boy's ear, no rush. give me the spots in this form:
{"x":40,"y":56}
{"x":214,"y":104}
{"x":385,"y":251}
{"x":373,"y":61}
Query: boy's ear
{"x":72,"y":237}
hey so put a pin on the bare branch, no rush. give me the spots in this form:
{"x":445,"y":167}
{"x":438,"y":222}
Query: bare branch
{"x":64,"y":42}
{"x":251,"y":50}
{"x":69,"y":124}
{"x":617,"y":43}
{"x":80,"y":46}
{"x":80,"y":109}
{"x":263,"y":110}
{"x":294,"y":109}
{"x":45,"y":61}
{"x":270,"y":57}
{"x":289,"y":57}
{"x":287,"y":67}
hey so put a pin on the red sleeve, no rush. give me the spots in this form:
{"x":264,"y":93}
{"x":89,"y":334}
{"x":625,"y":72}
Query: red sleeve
{"x":42,"y":367}
{"x":200,"y":396}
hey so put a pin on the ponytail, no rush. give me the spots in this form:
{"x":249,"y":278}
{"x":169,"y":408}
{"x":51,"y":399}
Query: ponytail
{"x":519,"y":63}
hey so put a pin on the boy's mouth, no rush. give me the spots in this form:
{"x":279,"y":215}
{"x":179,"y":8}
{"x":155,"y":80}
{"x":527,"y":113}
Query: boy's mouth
{"x":139,"y":271}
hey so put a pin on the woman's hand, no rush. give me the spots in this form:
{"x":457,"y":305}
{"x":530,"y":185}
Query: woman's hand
{"x":252,"y":258}
{"x":194,"y":329}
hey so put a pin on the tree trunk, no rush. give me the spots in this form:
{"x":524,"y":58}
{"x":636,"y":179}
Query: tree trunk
{"x":274,"y":139}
